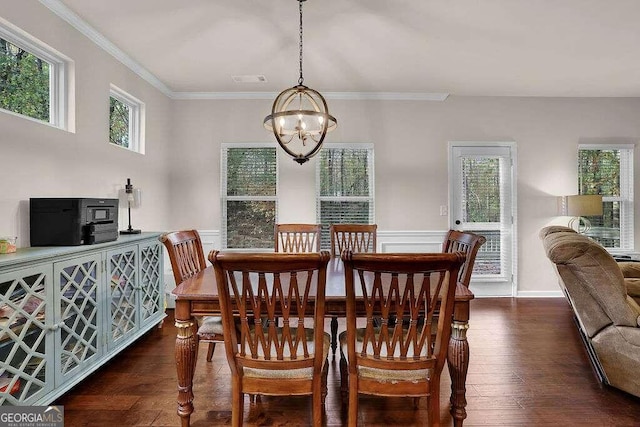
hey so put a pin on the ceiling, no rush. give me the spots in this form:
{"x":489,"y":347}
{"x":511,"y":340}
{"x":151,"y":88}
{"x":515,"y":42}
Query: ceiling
{"x":461,"y":47}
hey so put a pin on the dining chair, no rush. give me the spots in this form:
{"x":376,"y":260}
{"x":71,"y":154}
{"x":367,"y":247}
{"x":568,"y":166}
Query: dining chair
{"x":187,"y":258}
{"x":467,"y":242}
{"x":355,"y":237}
{"x":297,"y":238}
{"x":393,"y":359}
{"x":264,"y":358}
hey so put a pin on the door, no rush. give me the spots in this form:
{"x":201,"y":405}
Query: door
{"x":482,"y":198}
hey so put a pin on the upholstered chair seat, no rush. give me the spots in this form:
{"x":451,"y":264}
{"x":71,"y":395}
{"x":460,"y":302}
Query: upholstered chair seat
{"x":209,"y":326}
{"x":291,"y":373}
{"x":381,"y":375}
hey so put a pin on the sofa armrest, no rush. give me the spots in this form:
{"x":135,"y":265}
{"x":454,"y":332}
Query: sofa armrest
{"x":630,"y":269}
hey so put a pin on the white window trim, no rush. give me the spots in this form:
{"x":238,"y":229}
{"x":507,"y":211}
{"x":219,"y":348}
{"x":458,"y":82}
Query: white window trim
{"x":627,"y":240}
{"x":223,"y":188}
{"x":60,"y":79}
{"x":136,"y":118}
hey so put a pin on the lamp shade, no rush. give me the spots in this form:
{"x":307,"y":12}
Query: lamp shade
{"x":581,"y":205}
{"x":131,"y":198}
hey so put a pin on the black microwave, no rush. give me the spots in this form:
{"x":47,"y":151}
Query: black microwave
{"x":72,"y":221}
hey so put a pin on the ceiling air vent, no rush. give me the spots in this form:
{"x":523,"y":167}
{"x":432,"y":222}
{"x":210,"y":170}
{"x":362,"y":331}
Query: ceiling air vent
{"x":259,"y":78}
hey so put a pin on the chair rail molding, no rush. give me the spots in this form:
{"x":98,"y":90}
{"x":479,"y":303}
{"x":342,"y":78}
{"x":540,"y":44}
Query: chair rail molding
{"x":410,"y":241}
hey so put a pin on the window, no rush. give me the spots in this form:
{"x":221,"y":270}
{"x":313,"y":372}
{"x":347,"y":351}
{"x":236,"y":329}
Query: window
{"x":126,"y":120}
{"x":32,"y":77}
{"x":344,"y":187}
{"x":608,"y":170}
{"x":249,"y":195}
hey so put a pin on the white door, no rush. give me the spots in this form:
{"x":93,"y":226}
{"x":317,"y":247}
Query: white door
{"x":482,"y":198}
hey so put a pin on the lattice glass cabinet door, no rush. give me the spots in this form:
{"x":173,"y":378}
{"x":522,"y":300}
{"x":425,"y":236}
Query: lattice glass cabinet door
{"x":78,"y":316}
{"x":26,"y":347}
{"x":151,"y":289}
{"x":122,"y":294}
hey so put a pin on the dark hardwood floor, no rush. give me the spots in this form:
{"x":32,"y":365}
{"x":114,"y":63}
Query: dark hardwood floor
{"x":528,"y":368}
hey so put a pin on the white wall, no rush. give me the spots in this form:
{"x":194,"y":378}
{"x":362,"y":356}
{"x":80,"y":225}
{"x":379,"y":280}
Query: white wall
{"x":38,"y":160}
{"x":410,"y":140}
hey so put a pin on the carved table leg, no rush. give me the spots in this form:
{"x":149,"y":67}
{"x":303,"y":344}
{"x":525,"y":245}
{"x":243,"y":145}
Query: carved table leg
{"x":186,"y":346}
{"x":458,"y":362}
{"x":334,"y":334}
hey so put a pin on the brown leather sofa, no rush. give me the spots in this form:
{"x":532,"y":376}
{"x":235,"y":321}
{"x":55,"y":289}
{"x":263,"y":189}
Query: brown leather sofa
{"x":606,"y":305}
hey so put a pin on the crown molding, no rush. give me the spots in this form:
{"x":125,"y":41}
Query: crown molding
{"x":92,"y":34}
{"x":60,"y":9}
{"x":350,"y":96}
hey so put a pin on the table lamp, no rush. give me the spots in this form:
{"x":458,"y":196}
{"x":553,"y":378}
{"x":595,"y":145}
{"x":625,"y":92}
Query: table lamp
{"x":578,"y":206}
{"x":132,"y":198}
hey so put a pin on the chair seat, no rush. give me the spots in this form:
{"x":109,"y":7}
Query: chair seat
{"x":292,"y":373}
{"x":208,"y":326}
{"x":382,"y":375}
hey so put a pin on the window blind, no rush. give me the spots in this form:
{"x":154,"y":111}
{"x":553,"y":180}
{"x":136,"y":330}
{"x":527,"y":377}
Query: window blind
{"x":344,"y":187}
{"x":607,"y":170}
{"x":249,"y":195}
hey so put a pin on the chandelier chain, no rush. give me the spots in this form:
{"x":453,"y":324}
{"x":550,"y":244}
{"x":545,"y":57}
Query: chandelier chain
{"x":300,"y":79}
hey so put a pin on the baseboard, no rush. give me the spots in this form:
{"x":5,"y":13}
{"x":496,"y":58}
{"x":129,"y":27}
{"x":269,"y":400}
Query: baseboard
{"x":540,"y":294}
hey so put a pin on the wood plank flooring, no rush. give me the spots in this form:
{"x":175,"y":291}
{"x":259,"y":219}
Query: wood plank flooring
{"x":528,"y":368}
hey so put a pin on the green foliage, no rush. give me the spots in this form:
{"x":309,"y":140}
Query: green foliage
{"x":24,"y":82}
{"x":599,"y":173}
{"x":119,"y":123}
{"x":481,"y":189}
{"x":345,"y":172}
{"x":251,"y":172}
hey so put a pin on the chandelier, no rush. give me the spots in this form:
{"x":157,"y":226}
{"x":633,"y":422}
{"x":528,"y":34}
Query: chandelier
{"x":299,"y":117}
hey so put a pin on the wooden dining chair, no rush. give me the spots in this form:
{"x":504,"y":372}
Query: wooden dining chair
{"x":354,"y":237}
{"x":467,"y":242}
{"x":187,"y":258}
{"x":297,"y":238}
{"x":357,"y":237}
{"x":264,"y":358}
{"x":393,"y":359}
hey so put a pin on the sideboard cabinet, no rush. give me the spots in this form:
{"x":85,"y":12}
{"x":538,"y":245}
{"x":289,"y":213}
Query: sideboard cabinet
{"x":65,"y":311}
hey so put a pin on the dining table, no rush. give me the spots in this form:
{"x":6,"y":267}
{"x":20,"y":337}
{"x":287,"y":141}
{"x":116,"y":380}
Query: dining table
{"x":198,"y":296}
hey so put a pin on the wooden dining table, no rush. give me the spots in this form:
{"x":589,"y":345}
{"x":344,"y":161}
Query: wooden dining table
{"x":198,"y":296}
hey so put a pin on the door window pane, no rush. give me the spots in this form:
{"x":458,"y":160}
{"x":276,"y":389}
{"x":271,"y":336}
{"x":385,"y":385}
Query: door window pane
{"x":481,"y":189}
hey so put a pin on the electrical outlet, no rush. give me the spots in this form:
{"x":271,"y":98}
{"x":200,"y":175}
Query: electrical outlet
{"x":444,"y":211}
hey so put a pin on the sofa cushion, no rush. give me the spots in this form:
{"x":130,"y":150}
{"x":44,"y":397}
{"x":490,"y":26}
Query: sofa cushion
{"x":630,"y":269}
{"x":591,"y":267}
{"x":633,"y":286}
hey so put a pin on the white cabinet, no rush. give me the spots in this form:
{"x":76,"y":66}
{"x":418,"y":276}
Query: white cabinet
{"x":65,"y":311}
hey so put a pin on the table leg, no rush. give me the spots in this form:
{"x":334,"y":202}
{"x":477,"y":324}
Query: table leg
{"x":186,"y":354}
{"x":458,"y":362}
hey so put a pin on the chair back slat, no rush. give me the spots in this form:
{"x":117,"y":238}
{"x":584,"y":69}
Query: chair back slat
{"x":297,"y":238}
{"x":263,"y":289}
{"x":413,"y":287}
{"x":185,"y":253}
{"x":468,"y":243}
{"x":355,"y":237}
